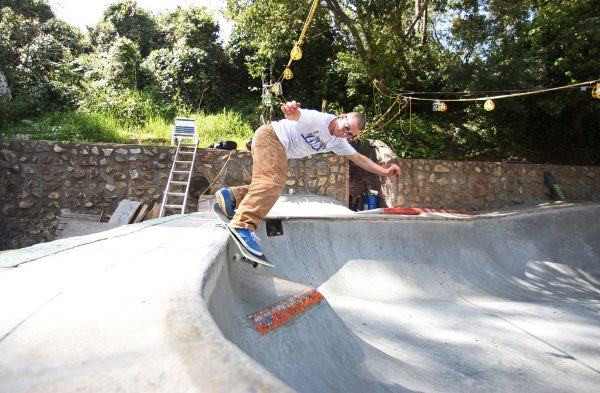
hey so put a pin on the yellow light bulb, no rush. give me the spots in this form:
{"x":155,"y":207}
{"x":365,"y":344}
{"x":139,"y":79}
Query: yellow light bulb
{"x":296,"y":53}
{"x":276,"y":89}
{"x":596,"y":91}
{"x":489,"y":105}
{"x":288,"y":74}
{"x":439,"y":106}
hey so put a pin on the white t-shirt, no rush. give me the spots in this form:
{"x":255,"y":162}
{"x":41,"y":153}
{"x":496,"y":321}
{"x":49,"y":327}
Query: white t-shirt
{"x":310,"y":135}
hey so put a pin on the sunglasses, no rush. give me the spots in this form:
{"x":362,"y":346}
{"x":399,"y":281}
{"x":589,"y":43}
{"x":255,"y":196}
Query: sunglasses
{"x":347,"y":129}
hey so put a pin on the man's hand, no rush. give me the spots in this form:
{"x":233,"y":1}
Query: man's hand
{"x":291,"y":110}
{"x":394,"y":170}
{"x":368,"y":164}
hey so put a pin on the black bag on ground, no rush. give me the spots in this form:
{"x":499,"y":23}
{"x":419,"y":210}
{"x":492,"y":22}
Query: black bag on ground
{"x":224,"y":145}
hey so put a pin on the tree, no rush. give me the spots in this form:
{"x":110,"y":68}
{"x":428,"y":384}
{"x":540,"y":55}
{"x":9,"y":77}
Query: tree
{"x":383,"y":34}
{"x":30,"y":9}
{"x":36,"y":53}
{"x":182,"y":74}
{"x":194,"y":27}
{"x":126,"y":19}
{"x":122,"y":64}
{"x":523,"y":45}
{"x":266,"y":51}
{"x":185,"y":70}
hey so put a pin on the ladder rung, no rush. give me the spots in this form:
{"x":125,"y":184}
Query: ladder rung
{"x":186,"y":152}
{"x":187,"y":172}
{"x":173,"y":206}
{"x":179,"y":183}
{"x":176,"y":193}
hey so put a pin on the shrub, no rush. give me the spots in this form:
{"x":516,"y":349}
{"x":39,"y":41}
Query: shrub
{"x":132,"y":108}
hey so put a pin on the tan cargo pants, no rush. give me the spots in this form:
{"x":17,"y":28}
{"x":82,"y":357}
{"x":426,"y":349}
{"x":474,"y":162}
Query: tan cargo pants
{"x":269,"y":169}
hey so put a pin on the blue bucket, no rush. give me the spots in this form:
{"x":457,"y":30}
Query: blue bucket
{"x":369,"y":202}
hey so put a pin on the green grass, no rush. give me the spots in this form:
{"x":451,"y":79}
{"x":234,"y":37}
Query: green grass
{"x":224,"y":126}
{"x":99,"y":127}
{"x":70,"y":126}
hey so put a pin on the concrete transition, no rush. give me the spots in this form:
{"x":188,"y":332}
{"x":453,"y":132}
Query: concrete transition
{"x":499,"y":302}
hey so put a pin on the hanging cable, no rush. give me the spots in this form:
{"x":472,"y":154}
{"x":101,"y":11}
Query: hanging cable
{"x":482,"y":98}
{"x":408,"y":97}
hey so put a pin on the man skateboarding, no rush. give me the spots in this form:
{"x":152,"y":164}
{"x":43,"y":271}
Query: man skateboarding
{"x":303,"y":132}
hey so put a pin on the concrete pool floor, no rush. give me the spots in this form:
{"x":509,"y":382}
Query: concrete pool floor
{"x":504,"y":301}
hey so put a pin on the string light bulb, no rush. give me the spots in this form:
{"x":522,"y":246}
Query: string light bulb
{"x":596,"y":91}
{"x":288,"y":74}
{"x":277,"y":89}
{"x":439,"y":106}
{"x":296,"y":53}
{"x":489,"y":105}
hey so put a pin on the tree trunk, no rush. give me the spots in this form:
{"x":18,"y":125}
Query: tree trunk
{"x":577,"y":119}
{"x":410,"y":74}
{"x":424,"y":32}
{"x":5,"y":94}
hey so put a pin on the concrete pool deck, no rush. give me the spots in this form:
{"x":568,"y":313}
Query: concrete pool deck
{"x":504,"y":301}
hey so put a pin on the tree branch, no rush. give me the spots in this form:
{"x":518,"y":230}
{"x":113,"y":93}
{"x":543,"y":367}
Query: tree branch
{"x":416,"y":19}
{"x":343,"y":18}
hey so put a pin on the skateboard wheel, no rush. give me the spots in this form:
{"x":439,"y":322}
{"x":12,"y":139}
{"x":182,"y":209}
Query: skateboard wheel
{"x":237,"y":257}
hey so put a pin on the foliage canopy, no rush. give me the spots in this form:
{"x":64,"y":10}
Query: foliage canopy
{"x":136,"y":67}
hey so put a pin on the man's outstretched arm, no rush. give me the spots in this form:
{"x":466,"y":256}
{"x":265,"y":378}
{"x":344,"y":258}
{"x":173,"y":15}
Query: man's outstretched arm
{"x":367,"y":164}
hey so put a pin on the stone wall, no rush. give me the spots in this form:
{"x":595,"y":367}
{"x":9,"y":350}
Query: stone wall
{"x":471,"y":185}
{"x":39,"y":178}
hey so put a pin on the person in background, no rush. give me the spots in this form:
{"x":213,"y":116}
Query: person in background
{"x":303,"y":132}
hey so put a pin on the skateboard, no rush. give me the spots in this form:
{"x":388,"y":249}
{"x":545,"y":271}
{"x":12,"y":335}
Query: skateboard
{"x":244,"y":255}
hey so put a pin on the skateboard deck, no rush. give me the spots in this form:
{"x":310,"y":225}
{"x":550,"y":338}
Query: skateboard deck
{"x":244,"y":255}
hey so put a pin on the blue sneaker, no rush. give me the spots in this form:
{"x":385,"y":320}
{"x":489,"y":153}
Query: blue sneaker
{"x":249,"y":240}
{"x":226,"y":201}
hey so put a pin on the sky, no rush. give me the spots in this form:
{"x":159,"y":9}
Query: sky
{"x":87,"y":13}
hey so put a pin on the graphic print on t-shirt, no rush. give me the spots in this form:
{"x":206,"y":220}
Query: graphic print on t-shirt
{"x":314,"y":141}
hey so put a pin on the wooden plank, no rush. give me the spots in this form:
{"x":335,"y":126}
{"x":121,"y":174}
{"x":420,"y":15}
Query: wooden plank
{"x":80,"y":216}
{"x":124,"y":212}
{"x":141,"y":213}
{"x":153,"y":213}
{"x":148,"y":211}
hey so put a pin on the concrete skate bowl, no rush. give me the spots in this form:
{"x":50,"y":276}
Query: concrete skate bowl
{"x":496,"y":304}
